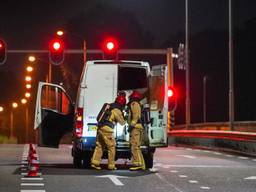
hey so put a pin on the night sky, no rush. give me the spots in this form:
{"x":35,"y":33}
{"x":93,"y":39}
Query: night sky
{"x":140,"y":24}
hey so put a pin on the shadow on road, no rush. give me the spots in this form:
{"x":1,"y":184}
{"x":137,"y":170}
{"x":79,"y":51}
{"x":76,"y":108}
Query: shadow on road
{"x":68,"y":169}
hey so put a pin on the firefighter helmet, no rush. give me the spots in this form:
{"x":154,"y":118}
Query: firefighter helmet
{"x":121,"y":100}
{"x":136,"y":95}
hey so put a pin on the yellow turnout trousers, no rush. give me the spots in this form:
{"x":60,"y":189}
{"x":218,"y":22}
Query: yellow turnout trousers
{"x":104,"y":139}
{"x":135,"y":141}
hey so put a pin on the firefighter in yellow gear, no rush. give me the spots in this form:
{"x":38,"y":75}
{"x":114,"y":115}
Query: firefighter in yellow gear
{"x":105,"y":136}
{"x":136,"y":131}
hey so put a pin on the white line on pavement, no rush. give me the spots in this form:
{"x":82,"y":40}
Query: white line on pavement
{"x":254,"y":159}
{"x":25,"y":174}
{"x":183,"y":176}
{"x":201,"y":166}
{"x":32,"y":190}
{"x":32,"y":178}
{"x":217,"y":153}
{"x":229,"y":155}
{"x":187,"y":156}
{"x":203,"y":187}
{"x":174,"y":171}
{"x":192,"y":181}
{"x":250,"y":178}
{"x":240,"y":157}
{"x":32,"y":184}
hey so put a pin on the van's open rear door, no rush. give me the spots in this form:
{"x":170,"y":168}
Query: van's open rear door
{"x":53,"y":115}
{"x":158,"y":106}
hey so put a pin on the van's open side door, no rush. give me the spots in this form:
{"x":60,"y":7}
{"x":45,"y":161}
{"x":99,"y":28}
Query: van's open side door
{"x":54,"y":114}
{"x":158,"y":86}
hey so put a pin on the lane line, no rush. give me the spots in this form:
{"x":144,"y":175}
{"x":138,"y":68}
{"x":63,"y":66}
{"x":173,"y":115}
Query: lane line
{"x":32,"y":184}
{"x":187,"y":156}
{"x":25,"y":174}
{"x":183,"y":176}
{"x":32,"y":178}
{"x":217,"y":153}
{"x":193,"y":181}
{"x":204,"y":187}
{"x":174,"y":171}
{"x":168,"y":183}
{"x":240,"y":157}
{"x":229,"y":155}
{"x":253,"y":159}
{"x":32,"y":190}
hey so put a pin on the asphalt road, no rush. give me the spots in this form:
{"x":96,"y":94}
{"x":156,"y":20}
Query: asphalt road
{"x":175,"y":170}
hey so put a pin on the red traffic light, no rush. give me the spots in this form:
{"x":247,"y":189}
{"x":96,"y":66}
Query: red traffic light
{"x":56,"y":51}
{"x":2,"y":51}
{"x":171,"y":92}
{"x":110,"y":46}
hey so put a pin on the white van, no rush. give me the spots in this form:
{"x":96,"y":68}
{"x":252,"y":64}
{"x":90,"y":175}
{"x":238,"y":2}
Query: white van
{"x":100,"y":82}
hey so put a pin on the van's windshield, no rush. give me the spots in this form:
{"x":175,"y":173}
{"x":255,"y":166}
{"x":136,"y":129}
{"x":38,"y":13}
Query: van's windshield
{"x":132,"y":78}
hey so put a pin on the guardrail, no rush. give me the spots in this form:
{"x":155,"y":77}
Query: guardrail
{"x":217,"y":135}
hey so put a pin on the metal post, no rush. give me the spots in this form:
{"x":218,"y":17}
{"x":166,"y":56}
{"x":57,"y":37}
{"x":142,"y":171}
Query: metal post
{"x":231,"y":84}
{"x":11,"y":124}
{"x":204,"y":97}
{"x":169,"y":59}
{"x":187,"y":72}
{"x":27,"y":130}
{"x":85,"y":52}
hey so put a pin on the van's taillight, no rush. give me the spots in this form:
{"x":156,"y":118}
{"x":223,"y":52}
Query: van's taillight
{"x":79,"y":122}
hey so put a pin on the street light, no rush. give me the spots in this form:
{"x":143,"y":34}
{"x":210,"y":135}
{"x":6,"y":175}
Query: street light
{"x":29,"y":69}
{"x":23,"y":101}
{"x":28,"y":78}
{"x":32,"y":58}
{"x":1,"y":109}
{"x":60,"y":33}
{"x":28,"y":86}
{"x":27,"y":94}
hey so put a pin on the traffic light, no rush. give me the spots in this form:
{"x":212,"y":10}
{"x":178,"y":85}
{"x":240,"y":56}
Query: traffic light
{"x":172,"y":99}
{"x":56,"y":51}
{"x":110,"y":48}
{"x":2,"y":51}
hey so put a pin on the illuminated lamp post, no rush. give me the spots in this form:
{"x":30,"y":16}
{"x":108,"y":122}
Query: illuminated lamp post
{"x":14,"y":106}
{"x":24,"y":102}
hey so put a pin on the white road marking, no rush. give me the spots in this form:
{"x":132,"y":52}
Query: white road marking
{"x":114,"y":179}
{"x":189,"y":149}
{"x":168,"y":183}
{"x":203,"y":187}
{"x":206,"y":151}
{"x":183,"y":176}
{"x":229,"y":155}
{"x":217,"y":153}
{"x":192,"y":181}
{"x":240,"y":157}
{"x":201,"y":166}
{"x":250,"y":178}
{"x":32,"y":178}
{"x":25,"y":174}
{"x":32,"y":190}
{"x":187,"y":156}
{"x":24,"y":162}
{"x":254,"y":159}
{"x":32,"y":184}
{"x":174,"y":171}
